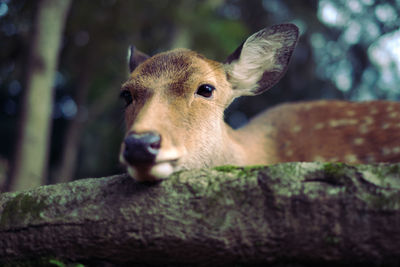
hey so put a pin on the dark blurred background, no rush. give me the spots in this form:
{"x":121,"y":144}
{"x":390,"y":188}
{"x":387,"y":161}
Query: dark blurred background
{"x":347,"y":50}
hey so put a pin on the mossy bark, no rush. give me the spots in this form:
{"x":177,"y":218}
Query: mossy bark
{"x":293,"y":213}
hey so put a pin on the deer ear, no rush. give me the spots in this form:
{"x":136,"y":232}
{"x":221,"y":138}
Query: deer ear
{"x":261,"y":61}
{"x":135,"y":57}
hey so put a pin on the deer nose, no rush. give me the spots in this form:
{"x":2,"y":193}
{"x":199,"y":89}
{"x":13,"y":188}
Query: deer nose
{"x":141,"y":147}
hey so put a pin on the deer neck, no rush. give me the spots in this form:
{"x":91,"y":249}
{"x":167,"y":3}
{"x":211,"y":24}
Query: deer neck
{"x":233,"y":147}
{"x":253,"y":144}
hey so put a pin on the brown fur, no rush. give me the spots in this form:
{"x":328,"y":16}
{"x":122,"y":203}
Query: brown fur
{"x":351,"y":132}
{"x":194,"y":134}
{"x":164,"y":91}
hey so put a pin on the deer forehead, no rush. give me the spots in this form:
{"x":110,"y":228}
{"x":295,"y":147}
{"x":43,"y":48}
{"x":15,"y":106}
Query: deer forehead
{"x":176,"y":73}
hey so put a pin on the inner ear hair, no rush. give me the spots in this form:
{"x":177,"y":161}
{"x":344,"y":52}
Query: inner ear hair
{"x":262,"y":59}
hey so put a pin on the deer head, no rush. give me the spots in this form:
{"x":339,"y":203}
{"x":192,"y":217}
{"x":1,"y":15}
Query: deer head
{"x":175,"y":103}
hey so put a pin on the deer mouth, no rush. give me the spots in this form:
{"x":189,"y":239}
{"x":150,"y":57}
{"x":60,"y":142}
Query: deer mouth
{"x":152,"y":172}
{"x":164,"y":165}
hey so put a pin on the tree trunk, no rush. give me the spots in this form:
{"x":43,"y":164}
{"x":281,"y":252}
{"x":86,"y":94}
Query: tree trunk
{"x":31,"y":155}
{"x":295,"y":214}
{"x":73,"y":133}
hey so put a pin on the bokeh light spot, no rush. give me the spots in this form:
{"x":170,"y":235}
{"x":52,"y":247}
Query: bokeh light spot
{"x":3,"y":9}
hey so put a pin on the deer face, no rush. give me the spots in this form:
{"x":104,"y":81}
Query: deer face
{"x":175,"y":102}
{"x":174,"y":114}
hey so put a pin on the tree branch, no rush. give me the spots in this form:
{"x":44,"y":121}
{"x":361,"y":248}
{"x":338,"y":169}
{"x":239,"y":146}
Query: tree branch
{"x":288,"y":213}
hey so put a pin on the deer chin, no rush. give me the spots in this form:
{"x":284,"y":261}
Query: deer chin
{"x":151,"y":173}
{"x":161,"y":169}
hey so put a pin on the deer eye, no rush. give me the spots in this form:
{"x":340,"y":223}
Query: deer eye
{"x":127,"y":97}
{"x":205,"y":90}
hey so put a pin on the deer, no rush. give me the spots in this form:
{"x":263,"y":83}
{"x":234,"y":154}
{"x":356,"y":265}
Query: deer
{"x":174,"y":114}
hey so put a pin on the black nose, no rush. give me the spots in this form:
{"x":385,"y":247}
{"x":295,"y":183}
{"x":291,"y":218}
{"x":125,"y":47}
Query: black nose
{"x":141,"y":148}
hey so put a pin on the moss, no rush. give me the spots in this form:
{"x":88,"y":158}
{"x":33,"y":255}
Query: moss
{"x":225,"y":188}
{"x":252,"y":168}
{"x":59,"y":263}
{"x":283,"y":169}
{"x":240,"y":172}
{"x":42,"y":262}
{"x":21,"y":207}
{"x":382,"y":174}
{"x":226,"y":168}
{"x":394,"y":169}
{"x":336,"y":173}
{"x":383,"y":171}
{"x":334,"y":169}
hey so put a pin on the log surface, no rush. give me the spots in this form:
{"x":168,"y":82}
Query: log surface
{"x":303,"y":213}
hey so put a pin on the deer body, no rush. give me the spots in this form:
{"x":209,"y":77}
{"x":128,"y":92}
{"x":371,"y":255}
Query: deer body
{"x":334,"y":131}
{"x":175,"y":103}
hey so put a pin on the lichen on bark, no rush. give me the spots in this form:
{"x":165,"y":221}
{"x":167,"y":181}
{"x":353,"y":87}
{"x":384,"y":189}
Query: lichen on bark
{"x":324,"y":213}
{"x":20,"y":209}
